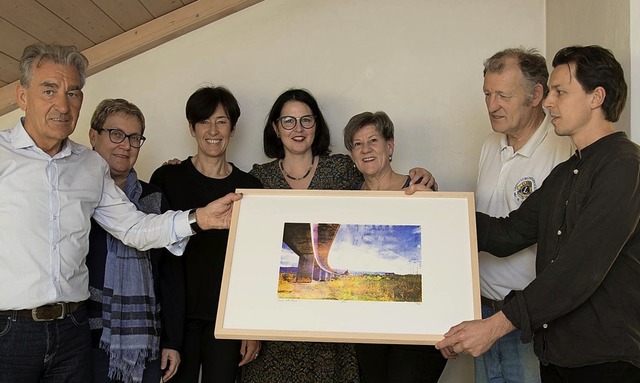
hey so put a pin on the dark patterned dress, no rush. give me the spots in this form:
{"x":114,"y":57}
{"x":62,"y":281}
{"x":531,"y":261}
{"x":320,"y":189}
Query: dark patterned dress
{"x":306,"y":362}
{"x":334,"y":172}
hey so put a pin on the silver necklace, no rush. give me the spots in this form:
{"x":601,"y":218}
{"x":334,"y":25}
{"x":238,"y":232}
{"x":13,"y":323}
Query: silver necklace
{"x":313,"y":160}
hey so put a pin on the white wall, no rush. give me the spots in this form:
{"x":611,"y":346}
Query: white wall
{"x":420,"y":61}
{"x":588,"y":22}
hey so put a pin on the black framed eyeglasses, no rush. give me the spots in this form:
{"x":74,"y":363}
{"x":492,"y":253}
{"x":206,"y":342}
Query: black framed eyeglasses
{"x":289,"y":122}
{"x":117,"y":136}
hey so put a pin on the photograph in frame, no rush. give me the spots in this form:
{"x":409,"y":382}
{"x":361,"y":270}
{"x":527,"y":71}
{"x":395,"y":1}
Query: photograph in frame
{"x":350,"y":262}
{"x":349,"y":266}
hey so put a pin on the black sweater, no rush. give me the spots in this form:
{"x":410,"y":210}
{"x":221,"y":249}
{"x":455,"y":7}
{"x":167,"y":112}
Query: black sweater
{"x":186,"y":188}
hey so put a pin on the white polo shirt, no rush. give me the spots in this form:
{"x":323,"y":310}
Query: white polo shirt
{"x":505,"y":179}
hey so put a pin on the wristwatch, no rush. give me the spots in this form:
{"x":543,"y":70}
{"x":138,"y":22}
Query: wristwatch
{"x":193,"y":222}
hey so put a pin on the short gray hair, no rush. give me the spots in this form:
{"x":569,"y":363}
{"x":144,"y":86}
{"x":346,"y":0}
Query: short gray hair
{"x":111,"y":106}
{"x":35,"y":54}
{"x":531,"y":63}
{"x":379,"y":119}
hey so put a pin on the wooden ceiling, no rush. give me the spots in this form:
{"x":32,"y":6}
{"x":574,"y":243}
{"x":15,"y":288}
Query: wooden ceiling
{"x":107,"y":31}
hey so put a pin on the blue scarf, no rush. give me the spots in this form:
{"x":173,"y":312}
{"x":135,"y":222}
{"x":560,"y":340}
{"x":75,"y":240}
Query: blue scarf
{"x":131,"y":327}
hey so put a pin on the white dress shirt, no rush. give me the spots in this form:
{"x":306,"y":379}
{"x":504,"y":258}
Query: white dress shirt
{"x":45,"y":208}
{"x":505,"y":180}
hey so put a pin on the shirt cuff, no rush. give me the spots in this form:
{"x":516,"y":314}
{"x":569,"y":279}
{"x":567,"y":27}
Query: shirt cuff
{"x":181,"y":225}
{"x":516,"y":312}
{"x":182,"y":231}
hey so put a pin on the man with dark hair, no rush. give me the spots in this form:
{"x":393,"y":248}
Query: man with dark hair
{"x":583,"y":308}
{"x":516,"y":157}
{"x":51,"y":188}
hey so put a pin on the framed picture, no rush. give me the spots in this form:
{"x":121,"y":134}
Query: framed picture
{"x":349,"y":266}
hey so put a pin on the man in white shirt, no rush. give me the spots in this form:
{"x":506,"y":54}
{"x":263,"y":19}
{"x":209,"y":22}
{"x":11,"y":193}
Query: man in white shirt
{"x":515,"y":160}
{"x":51,"y":187}
{"x":581,"y":310}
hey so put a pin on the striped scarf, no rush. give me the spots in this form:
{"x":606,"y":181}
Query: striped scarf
{"x":131,"y":326}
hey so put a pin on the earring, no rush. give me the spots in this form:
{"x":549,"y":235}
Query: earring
{"x":390,"y":157}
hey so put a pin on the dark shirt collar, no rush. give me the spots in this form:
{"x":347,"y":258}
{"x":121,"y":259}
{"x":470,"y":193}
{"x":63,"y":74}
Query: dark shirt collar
{"x":602,"y":143}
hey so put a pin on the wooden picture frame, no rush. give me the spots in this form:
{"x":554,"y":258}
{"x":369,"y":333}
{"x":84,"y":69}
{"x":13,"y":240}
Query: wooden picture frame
{"x":385,"y":267}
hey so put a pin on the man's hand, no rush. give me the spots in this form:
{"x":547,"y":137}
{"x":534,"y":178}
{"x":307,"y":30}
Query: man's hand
{"x":249,"y":350}
{"x":217,"y":214}
{"x":423,"y":177}
{"x":169,"y":364}
{"x":474,"y":337}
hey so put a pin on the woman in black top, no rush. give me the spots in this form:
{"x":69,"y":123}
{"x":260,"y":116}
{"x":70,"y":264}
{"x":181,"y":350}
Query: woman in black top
{"x":212,"y":113}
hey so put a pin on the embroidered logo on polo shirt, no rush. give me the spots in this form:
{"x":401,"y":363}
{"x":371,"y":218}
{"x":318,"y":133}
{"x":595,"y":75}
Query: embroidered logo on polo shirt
{"x":524,"y":188}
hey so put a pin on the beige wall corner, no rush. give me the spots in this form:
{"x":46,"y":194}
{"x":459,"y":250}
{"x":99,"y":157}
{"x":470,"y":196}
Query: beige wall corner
{"x":592,"y":22}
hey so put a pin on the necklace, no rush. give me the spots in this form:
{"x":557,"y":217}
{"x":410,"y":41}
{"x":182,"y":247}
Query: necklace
{"x":313,"y":160}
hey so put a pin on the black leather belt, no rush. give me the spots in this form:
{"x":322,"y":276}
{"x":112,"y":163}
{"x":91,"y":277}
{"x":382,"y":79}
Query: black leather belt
{"x":47,"y":312}
{"x":495,"y":305}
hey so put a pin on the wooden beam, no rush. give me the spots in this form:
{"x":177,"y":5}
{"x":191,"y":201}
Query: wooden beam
{"x":147,"y":36}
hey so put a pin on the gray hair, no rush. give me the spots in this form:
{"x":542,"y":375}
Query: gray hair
{"x":531,"y":63}
{"x":34,"y":54}
{"x":379,"y":119}
{"x":111,"y":106}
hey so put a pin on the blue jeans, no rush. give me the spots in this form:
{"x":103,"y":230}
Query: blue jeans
{"x":508,"y":360}
{"x":152,"y":372}
{"x":58,"y":351}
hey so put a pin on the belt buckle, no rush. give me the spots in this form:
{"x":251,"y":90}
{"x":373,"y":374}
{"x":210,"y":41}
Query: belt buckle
{"x":63,"y":313}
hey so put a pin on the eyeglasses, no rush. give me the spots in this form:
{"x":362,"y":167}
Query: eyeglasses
{"x":289,"y":122}
{"x":117,"y":136}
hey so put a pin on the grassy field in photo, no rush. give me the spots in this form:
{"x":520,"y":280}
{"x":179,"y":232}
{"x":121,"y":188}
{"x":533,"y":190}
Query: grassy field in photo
{"x":365,"y":287}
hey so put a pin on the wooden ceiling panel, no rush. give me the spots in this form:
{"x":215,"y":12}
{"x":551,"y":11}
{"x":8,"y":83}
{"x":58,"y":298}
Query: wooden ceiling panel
{"x":128,"y":14}
{"x":86,"y":17}
{"x":161,"y":7}
{"x":9,"y":70}
{"x":39,"y":22}
{"x":14,"y":45}
{"x":78,"y":22}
